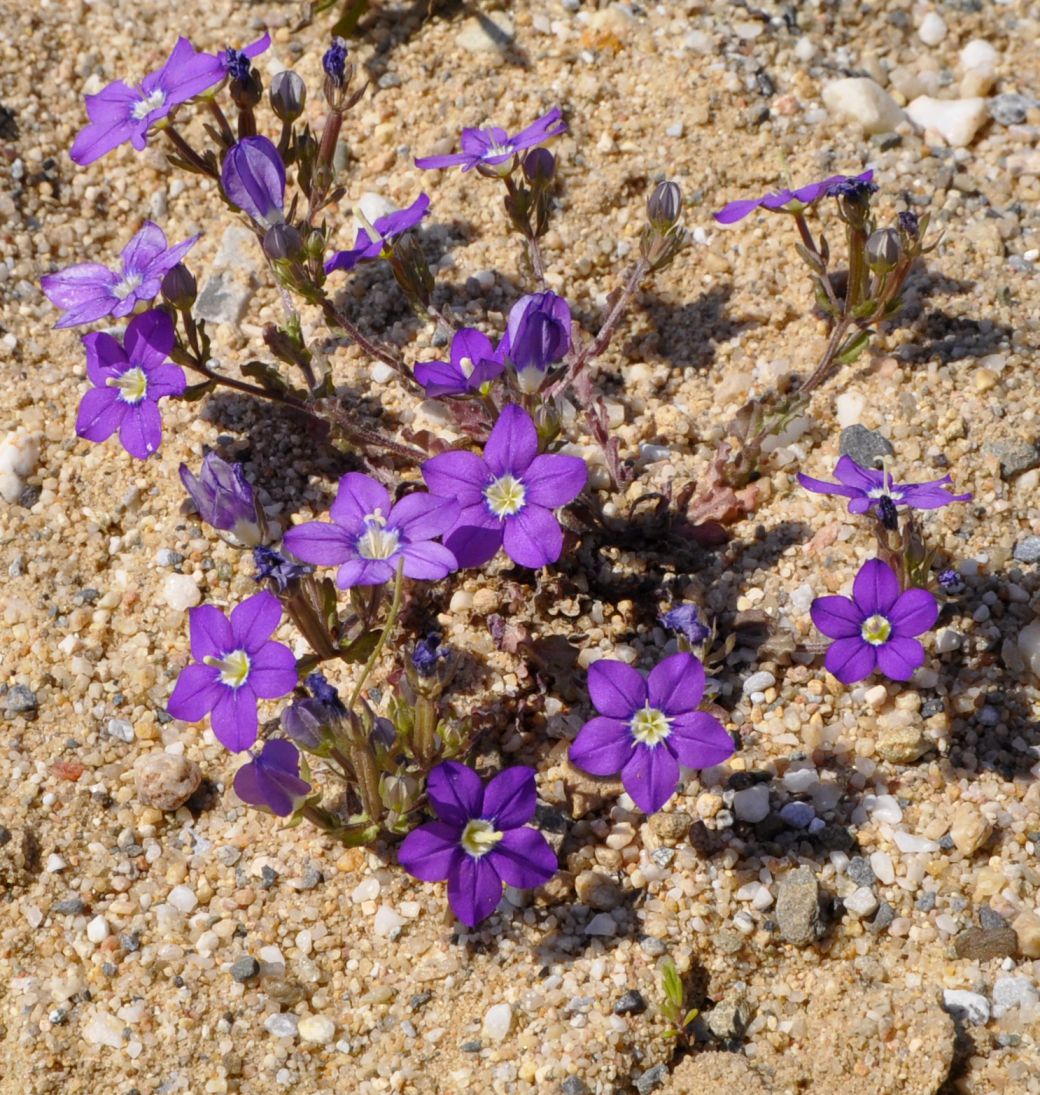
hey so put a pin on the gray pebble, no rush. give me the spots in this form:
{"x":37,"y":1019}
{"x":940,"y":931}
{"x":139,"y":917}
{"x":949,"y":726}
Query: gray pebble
{"x":268,"y":877}
{"x":798,"y":907}
{"x":728,"y":1019}
{"x":1014,"y":456}
{"x":20,"y":700}
{"x":926,"y":901}
{"x":120,"y":729}
{"x":1028,"y":550}
{"x":882,"y":918}
{"x":860,"y":872}
{"x":991,"y":920}
{"x":473,"y":1046}
{"x":653,"y":946}
{"x":663,"y":856}
{"x":574,"y":1085}
{"x":310,"y":878}
{"x":244,"y":968}
{"x":69,"y":906}
{"x":222,"y":300}
{"x":651,"y":1079}
{"x":1010,"y":108}
{"x":867,"y":447}
{"x":632,"y":1003}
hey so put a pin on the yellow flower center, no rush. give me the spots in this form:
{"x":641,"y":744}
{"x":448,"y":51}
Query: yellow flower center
{"x":876,"y":630}
{"x":650,"y":726}
{"x":234,"y":667}
{"x":479,"y":837}
{"x":377,"y":541}
{"x":506,"y":496}
{"x":132,"y":385}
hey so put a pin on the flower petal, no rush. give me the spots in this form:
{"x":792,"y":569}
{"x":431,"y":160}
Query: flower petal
{"x":914,"y":612}
{"x":459,"y":475}
{"x":234,"y":719}
{"x":144,"y":247}
{"x":651,"y":776}
{"x":510,"y":798}
{"x":523,"y":858}
{"x":166,"y":380}
{"x":837,"y":617}
{"x":533,"y":537}
{"x":512,"y":444}
{"x":899,"y":657}
{"x":821,"y":486}
{"x":195,"y":694}
{"x":616,"y":689}
{"x":358,"y":496}
{"x":320,"y":543}
{"x":876,"y":588}
{"x":366,"y":572}
{"x":149,"y":338}
{"x":105,"y":358}
{"x":676,"y":684}
{"x":474,"y":889}
{"x":475,"y":537}
{"x":140,"y":432}
{"x":603,"y":747}
{"x":428,"y":561}
{"x":851,"y":659}
{"x":427,"y":853}
{"x":210,"y":631}
{"x":100,"y":414}
{"x":858,"y":478}
{"x":272,"y":671}
{"x":422,"y":516}
{"x":737,"y":211}
{"x":440,"y":378}
{"x":700,"y":740}
{"x":553,"y":480}
{"x":455,"y":792}
{"x":254,"y":620}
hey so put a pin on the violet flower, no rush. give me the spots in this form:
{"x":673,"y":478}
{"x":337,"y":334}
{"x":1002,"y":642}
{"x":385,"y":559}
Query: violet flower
{"x":120,"y":113}
{"x":224,"y":498}
{"x":507,"y":497}
{"x":875,"y":627}
{"x":368,"y":536}
{"x":236,"y":665}
{"x":310,"y":722}
{"x":648,"y":727}
{"x":271,"y":780}
{"x":778,"y":200}
{"x":334,"y":61}
{"x":237,"y":62}
{"x":493,"y":146}
{"x":129,"y":382}
{"x":473,"y":362}
{"x":89,"y":291}
{"x":378,"y":239}
{"x":481,"y":840}
{"x":538,"y":334}
{"x":685,"y":619}
{"x":273,"y":566}
{"x":865,"y":488}
{"x":253,"y":179}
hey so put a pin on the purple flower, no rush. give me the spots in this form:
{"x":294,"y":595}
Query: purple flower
{"x":538,"y":334}
{"x":865,"y":488}
{"x":90,"y":291}
{"x":480,"y":841}
{"x":274,"y":566}
{"x":875,"y":628}
{"x":493,"y":146}
{"x":428,"y":653}
{"x":473,"y":363}
{"x":271,"y":780}
{"x":309,"y":721}
{"x":686,"y":620}
{"x":648,"y":727}
{"x":378,"y":242}
{"x":334,"y":61}
{"x":253,"y":178}
{"x":367,"y":536}
{"x":236,"y":665}
{"x":129,"y":382}
{"x":224,"y":498}
{"x":236,"y":62}
{"x":804,"y":195}
{"x":506,"y":497}
{"x":121,"y":113}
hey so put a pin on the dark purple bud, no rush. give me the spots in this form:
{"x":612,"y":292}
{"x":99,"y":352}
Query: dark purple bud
{"x":538,"y":334}
{"x":685,"y":620}
{"x":271,"y":780}
{"x":950,"y":581}
{"x":253,"y":179}
{"x":238,"y":65}
{"x":306,"y":722}
{"x":884,"y":250}
{"x":887,"y":513}
{"x":224,"y":498}
{"x":179,"y":287}
{"x":325,"y":693}
{"x":274,"y":566}
{"x":664,"y":206}
{"x":334,"y":62}
{"x":539,"y":167}
{"x":288,"y":95}
{"x":909,"y":224}
{"x":282,"y":243}
{"x":427,"y":653}
{"x":855,"y":191}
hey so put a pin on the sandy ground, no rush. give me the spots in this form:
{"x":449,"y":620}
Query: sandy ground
{"x":119,"y":924}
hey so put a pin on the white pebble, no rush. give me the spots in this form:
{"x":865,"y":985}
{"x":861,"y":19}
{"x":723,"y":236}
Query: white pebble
{"x":978,"y":54}
{"x":883,"y":808}
{"x":947,"y":640}
{"x":955,"y":120}
{"x":752,"y":804}
{"x":849,"y":408}
{"x":801,"y":599}
{"x":862,"y":102}
{"x":970,"y":1006}
{"x":877,"y":695}
{"x":55,"y":863}
{"x":183,"y":898}
{"x":181,"y":592}
{"x":97,"y":929}
{"x":759,"y":682}
{"x":1012,"y":992}
{"x":366,"y":890}
{"x":862,"y":902}
{"x":282,"y":1025}
{"x":317,"y":1028}
{"x":800,"y":780}
{"x":381,"y":372}
{"x":932,"y":29}
{"x":388,"y":922}
{"x":498,"y":1019}
{"x":909,"y":844}
{"x":104,"y":1029}
{"x":1029,"y":645}
{"x":19,"y":454}
{"x":881,"y":865}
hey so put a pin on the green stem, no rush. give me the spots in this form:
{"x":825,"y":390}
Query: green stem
{"x":391,"y":620}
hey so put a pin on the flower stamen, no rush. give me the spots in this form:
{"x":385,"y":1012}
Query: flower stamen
{"x":650,"y":726}
{"x":506,"y":496}
{"x":234,"y":667}
{"x":479,"y":837}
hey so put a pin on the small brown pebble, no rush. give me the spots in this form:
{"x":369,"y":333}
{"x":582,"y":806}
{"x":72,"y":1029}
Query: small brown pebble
{"x":982,"y":944}
{"x":165,"y":780}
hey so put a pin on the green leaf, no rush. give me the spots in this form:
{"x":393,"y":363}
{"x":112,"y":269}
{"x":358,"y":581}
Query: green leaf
{"x":267,"y":375}
{"x":853,"y":347}
{"x":823,"y":302}
{"x":866,"y":308}
{"x":360,"y":650}
{"x":194,"y":392}
{"x":690,"y":1016}
{"x":810,"y":260}
{"x":671,"y":984}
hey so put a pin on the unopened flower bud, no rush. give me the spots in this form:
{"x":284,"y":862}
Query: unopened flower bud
{"x":664,"y":206}
{"x":399,"y":793}
{"x":179,"y":287}
{"x":884,"y":249}
{"x":288,"y":95}
{"x":282,"y":243}
{"x":334,"y":61}
{"x":539,"y":167}
{"x":909,"y":225}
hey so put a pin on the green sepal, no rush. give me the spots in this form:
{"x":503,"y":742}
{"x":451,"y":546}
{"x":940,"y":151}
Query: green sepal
{"x":267,"y":374}
{"x":194,"y":392}
{"x":810,"y":260}
{"x":360,"y":649}
{"x":852,"y":349}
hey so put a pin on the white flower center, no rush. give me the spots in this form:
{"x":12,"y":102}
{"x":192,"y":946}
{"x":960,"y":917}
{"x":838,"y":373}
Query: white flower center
{"x":467,"y":367}
{"x":124,"y":288}
{"x":377,"y":541}
{"x":876,"y":630}
{"x":143,"y":107}
{"x":650,"y":726}
{"x":880,"y":492}
{"x":234,"y":667}
{"x":479,"y":837}
{"x":132,"y":385}
{"x":506,"y":496}
{"x":498,"y":150}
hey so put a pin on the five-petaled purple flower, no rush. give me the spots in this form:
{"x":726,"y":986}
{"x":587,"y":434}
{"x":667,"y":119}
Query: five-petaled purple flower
{"x":253,"y":178}
{"x":473,"y":362}
{"x":778,"y":200}
{"x":538,"y":334}
{"x":271,"y":780}
{"x":129,"y":382}
{"x":865,"y":488}
{"x":507,"y":497}
{"x":875,"y":627}
{"x":121,"y":113}
{"x":378,"y":240}
{"x":90,"y":291}
{"x":493,"y":146}
{"x":236,"y":665}
{"x":224,"y":498}
{"x":368,"y":536}
{"x":648,"y":727}
{"x":480,"y":841}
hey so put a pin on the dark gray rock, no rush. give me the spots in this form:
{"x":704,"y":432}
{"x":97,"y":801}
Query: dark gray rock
{"x":991,"y":920}
{"x":651,"y":1079}
{"x":1010,"y":108}
{"x":1015,"y":456}
{"x":69,"y":906}
{"x":20,"y":700}
{"x":859,"y":870}
{"x":1028,"y":550}
{"x":867,"y":447}
{"x":728,"y":1020}
{"x":798,"y":908}
{"x":882,"y":918}
{"x":574,"y":1085}
{"x":245,"y":968}
{"x":632,"y":1003}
